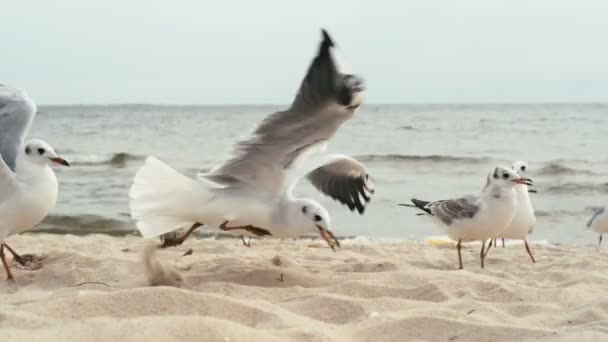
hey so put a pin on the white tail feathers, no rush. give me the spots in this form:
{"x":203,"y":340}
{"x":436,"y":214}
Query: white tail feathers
{"x":164,"y":200}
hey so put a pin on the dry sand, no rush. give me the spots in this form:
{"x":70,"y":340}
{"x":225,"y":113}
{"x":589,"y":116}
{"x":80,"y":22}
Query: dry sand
{"x":302,"y":291}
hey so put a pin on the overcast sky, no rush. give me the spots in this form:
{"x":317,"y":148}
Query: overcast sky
{"x":243,"y":51}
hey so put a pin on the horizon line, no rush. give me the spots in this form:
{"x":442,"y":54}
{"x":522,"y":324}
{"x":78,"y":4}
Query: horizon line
{"x":116,"y":104}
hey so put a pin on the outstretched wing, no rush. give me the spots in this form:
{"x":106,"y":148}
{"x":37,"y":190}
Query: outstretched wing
{"x":325,"y":100}
{"x":345,"y":180}
{"x":17,"y":112}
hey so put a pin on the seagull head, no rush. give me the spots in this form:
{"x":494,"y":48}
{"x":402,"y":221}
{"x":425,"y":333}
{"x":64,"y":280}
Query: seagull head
{"x":314,"y":218}
{"x":508,"y":178}
{"x":521,"y":167}
{"x":40,"y":152}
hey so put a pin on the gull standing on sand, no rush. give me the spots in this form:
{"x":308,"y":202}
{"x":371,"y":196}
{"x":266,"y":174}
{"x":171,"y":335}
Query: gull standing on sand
{"x":28,"y":186}
{"x":524,"y":220}
{"x":480,"y":216}
{"x":599,"y":223}
{"x":251,"y":193}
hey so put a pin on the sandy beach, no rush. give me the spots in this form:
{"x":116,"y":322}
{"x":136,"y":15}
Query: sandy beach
{"x":302,"y":291}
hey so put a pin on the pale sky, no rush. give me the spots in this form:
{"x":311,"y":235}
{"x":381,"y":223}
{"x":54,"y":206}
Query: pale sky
{"x":244,"y":51}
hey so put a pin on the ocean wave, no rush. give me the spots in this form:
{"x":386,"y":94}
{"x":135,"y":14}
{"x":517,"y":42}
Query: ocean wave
{"x":435,"y":158}
{"x":407,"y":128}
{"x":84,"y":225}
{"x":577,"y":188}
{"x":119,"y":159}
{"x":556,"y":213}
{"x":87,"y":224}
{"x":557,"y":169}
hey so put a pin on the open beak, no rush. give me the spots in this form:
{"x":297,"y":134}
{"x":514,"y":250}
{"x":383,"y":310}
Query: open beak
{"x":328,"y":236}
{"x":525,"y":181}
{"x":60,"y":161}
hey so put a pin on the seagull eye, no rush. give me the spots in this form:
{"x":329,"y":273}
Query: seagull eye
{"x":505,"y":175}
{"x":523,"y":168}
{"x":318,"y":218}
{"x":40,"y":150}
{"x":304,"y":210}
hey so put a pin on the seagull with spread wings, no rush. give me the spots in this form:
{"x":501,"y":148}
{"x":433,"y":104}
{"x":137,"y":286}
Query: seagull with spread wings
{"x":251,"y":193}
{"x":28,"y":186}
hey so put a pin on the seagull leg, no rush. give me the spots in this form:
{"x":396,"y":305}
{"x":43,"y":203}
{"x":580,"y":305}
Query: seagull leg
{"x":194,"y":226}
{"x":252,"y":229}
{"x":599,"y":244}
{"x":248,"y":243}
{"x":179,"y":241}
{"x":503,"y":243}
{"x":493,"y":241}
{"x":458,"y":247}
{"x":488,"y":250}
{"x":8,"y":271}
{"x":528,"y":249}
{"x":18,"y":258}
{"x":482,"y":253}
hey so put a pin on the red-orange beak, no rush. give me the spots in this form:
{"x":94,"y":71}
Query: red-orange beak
{"x":525,"y":181}
{"x":329,"y":237}
{"x":60,"y":161}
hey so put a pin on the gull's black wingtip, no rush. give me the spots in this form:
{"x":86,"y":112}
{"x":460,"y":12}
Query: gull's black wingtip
{"x":326,"y":43}
{"x":421,"y":205}
{"x":326,"y":37}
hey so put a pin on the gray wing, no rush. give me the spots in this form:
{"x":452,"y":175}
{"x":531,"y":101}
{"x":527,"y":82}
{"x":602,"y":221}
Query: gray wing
{"x":455,"y":209}
{"x":17,"y":112}
{"x":323,"y":103}
{"x":345,"y":180}
{"x":597,"y":213}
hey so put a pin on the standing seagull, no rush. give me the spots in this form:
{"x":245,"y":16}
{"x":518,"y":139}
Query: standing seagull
{"x":478,"y":216}
{"x":251,"y":193}
{"x":28,"y":186}
{"x":599,"y":223}
{"x":524,"y":220}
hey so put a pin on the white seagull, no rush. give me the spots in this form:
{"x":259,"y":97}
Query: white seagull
{"x":524,"y":220}
{"x":28,"y":186}
{"x":251,"y":193}
{"x":480,"y":216}
{"x":599,"y":223}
